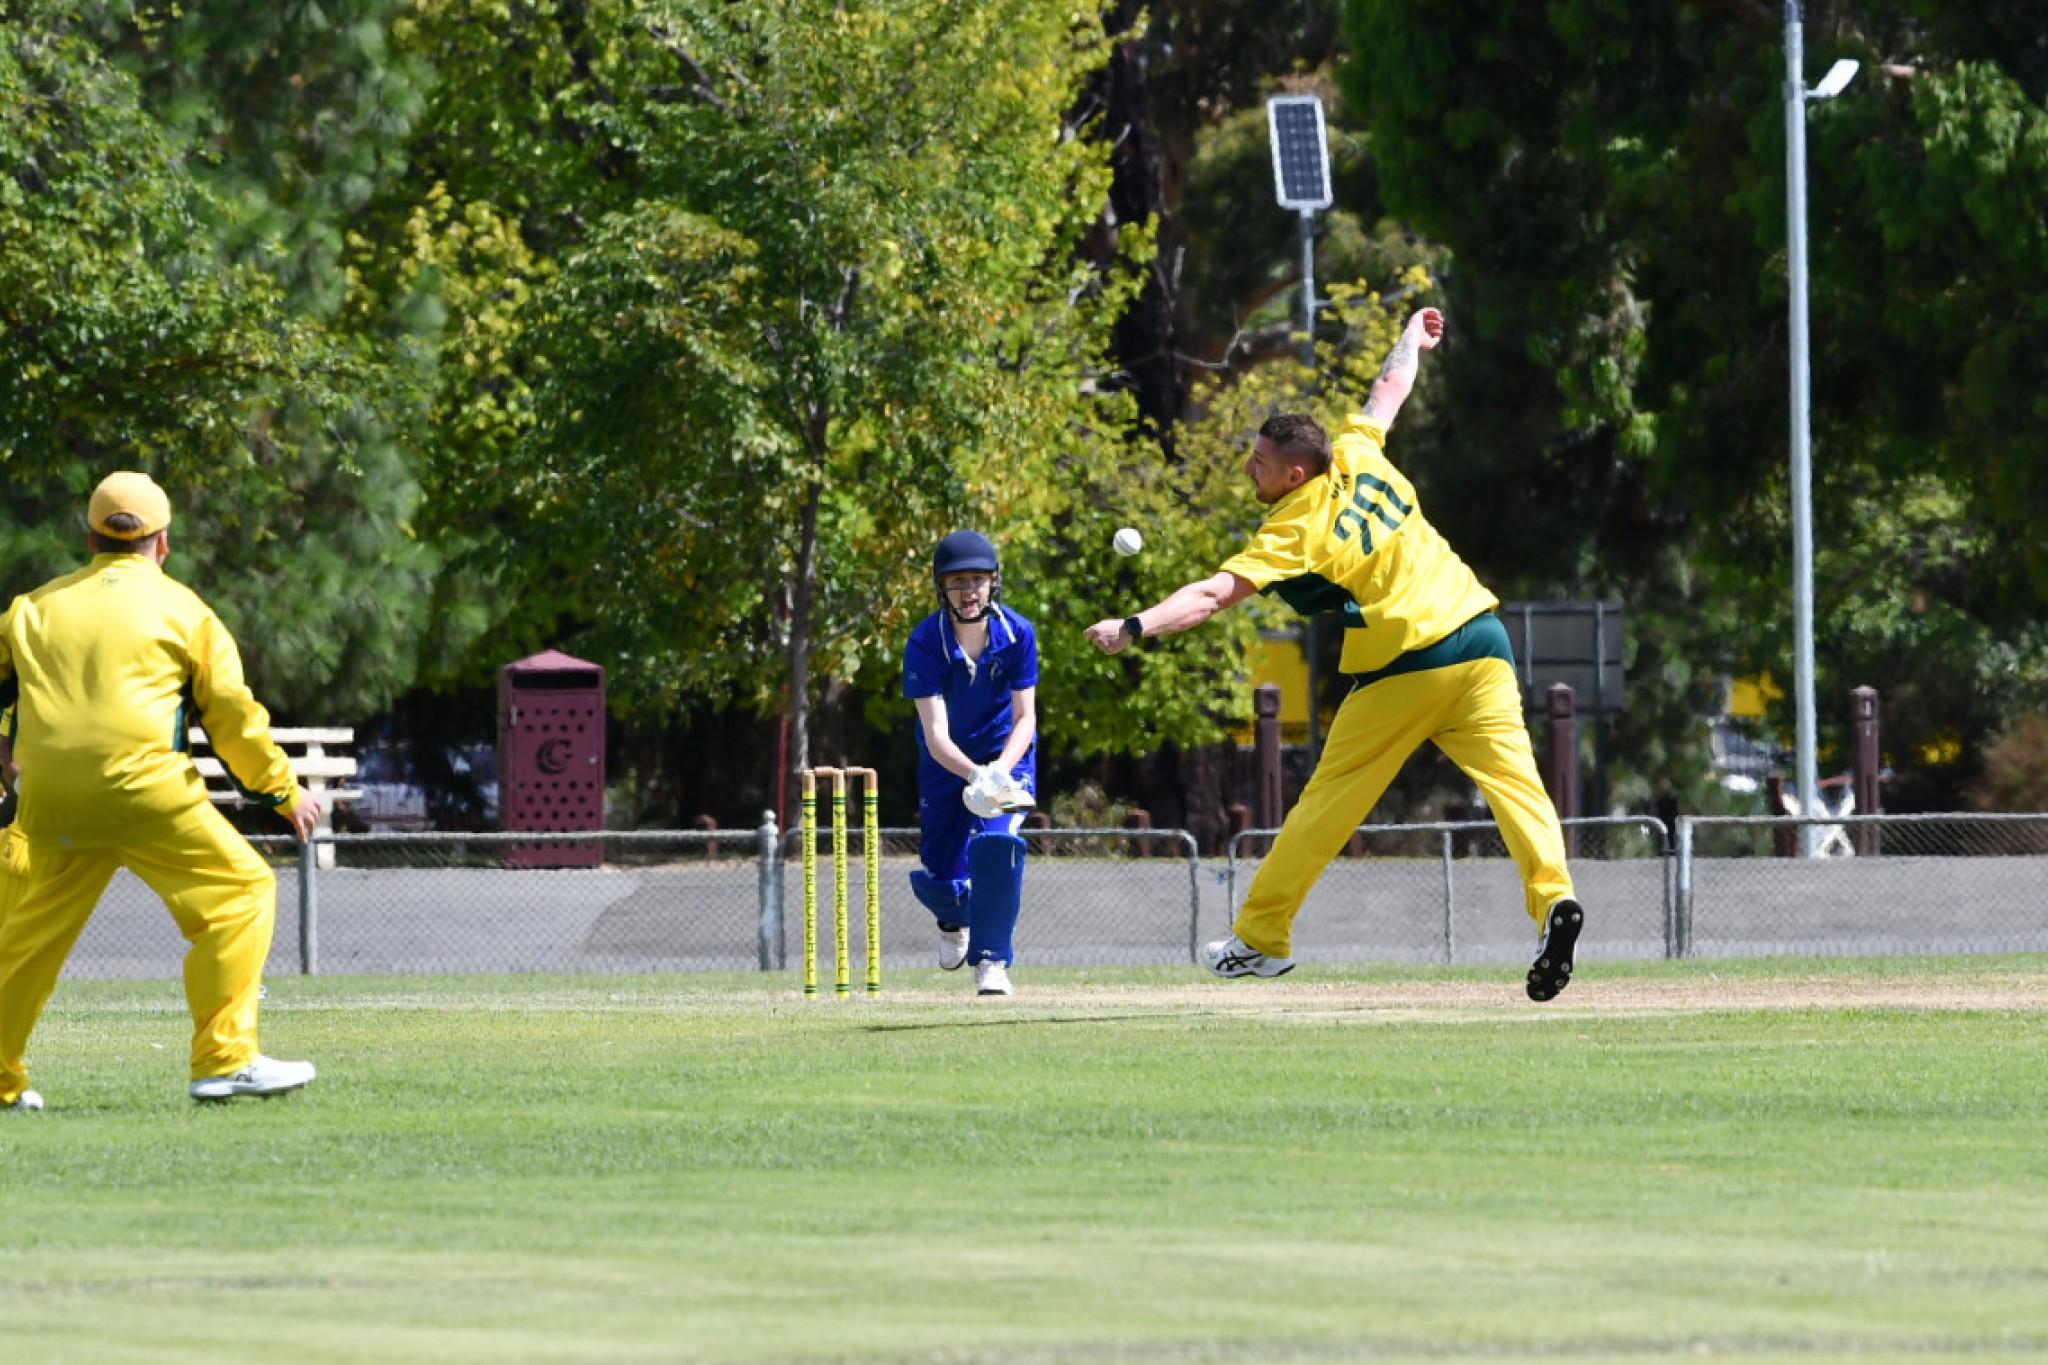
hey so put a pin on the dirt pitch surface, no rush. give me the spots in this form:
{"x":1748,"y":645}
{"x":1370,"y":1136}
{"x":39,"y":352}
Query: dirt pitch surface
{"x":1407,"y":1001}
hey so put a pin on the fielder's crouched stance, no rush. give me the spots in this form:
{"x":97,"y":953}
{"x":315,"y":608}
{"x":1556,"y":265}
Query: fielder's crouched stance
{"x":1427,"y":658}
{"x":971,"y":669}
{"x":105,"y":668}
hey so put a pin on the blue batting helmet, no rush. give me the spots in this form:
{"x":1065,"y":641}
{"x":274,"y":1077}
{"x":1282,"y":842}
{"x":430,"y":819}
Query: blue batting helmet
{"x":965,"y":552}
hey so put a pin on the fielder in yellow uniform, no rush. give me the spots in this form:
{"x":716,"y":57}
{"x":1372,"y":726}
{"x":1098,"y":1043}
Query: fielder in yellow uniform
{"x":1427,"y":657}
{"x":105,"y":668}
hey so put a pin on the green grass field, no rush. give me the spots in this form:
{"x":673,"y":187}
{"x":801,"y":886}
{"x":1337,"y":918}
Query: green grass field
{"x":1758,"y":1161}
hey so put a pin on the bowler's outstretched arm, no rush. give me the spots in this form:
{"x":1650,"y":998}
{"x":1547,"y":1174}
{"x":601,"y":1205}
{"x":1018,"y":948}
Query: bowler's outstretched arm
{"x":1185,"y":608}
{"x":1397,"y":373}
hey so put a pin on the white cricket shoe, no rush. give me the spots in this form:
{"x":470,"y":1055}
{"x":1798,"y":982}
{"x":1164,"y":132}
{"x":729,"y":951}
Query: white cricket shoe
{"x":992,"y":978}
{"x":1232,"y":956}
{"x":27,"y":1102}
{"x":952,"y":947}
{"x":262,"y":1076}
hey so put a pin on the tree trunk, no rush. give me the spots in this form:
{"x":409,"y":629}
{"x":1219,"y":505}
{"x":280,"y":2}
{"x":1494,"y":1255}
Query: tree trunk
{"x":1147,"y":337}
{"x":802,"y":598}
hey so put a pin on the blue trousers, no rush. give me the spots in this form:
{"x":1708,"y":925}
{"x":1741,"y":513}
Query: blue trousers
{"x":943,"y":884}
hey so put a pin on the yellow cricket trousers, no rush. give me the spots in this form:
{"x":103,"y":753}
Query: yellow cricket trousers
{"x":1473,"y":712}
{"x":223,"y":896}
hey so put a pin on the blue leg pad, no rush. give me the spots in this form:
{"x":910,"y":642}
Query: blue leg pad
{"x":995,"y":866}
{"x":946,"y":900}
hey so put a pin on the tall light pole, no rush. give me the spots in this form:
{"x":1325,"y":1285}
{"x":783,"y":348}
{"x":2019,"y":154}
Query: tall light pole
{"x":1796,"y":95}
{"x":1301,"y":181}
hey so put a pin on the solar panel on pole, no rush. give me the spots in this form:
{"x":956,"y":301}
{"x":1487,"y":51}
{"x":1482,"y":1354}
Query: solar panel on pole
{"x":1301,"y":181}
{"x":1301,"y":152}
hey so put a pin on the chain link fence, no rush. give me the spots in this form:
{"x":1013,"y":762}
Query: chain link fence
{"x":659,"y":901}
{"x":453,"y":903}
{"x":732,"y":900}
{"x":1449,"y":892}
{"x":1092,"y":897}
{"x":1861,"y":885}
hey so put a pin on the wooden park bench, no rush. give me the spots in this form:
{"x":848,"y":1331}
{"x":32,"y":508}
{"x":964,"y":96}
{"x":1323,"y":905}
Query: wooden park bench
{"x":320,"y":770}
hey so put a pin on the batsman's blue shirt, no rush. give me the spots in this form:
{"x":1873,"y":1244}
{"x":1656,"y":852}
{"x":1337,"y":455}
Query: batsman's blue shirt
{"x":978,"y":694}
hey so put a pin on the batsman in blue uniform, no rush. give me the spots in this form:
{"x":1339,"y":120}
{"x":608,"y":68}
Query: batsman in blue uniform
{"x":971,"y":669}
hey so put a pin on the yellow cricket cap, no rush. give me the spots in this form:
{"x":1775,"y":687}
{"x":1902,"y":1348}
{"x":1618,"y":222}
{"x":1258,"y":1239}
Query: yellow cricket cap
{"x":134,"y":493}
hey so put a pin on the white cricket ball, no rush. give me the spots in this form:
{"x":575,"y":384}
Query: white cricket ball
{"x":1128,"y":541}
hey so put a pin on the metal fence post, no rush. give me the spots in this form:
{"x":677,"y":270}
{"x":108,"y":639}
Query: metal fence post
{"x":768,"y":845}
{"x":1678,"y":936}
{"x":1450,"y":942}
{"x":1229,"y":880}
{"x":1194,"y":851}
{"x":1667,"y":850}
{"x":309,"y":904}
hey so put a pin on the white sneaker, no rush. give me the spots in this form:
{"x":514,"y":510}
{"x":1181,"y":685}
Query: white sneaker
{"x":952,"y":947}
{"x":262,"y":1076}
{"x":1232,"y":956}
{"x":27,"y":1102}
{"x":991,"y":978}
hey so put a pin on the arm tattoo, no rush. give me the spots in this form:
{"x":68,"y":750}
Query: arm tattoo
{"x":1403,"y":354}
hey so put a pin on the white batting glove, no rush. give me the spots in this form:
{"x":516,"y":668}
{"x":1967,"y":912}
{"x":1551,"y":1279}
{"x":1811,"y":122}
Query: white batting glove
{"x":1008,"y":793}
{"x":979,"y":796}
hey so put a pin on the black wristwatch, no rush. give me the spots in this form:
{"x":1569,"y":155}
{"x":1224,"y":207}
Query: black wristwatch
{"x":1132,"y":627}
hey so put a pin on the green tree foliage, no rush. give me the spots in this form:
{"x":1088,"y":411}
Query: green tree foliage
{"x":2015,"y":767}
{"x":1063,"y":574}
{"x":1610,"y":180}
{"x":787,"y":295}
{"x":129,"y":338}
{"x":675,"y":333}
{"x":1240,"y":288}
{"x":295,"y":112}
{"x":1176,"y":70}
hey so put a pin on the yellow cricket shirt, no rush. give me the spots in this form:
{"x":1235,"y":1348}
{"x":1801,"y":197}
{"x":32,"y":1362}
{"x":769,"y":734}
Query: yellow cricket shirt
{"x":106,"y":667}
{"x":1355,"y":541}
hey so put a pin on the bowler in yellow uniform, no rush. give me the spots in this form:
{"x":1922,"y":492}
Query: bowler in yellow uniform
{"x":1427,"y":657}
{"x":105,"y":668}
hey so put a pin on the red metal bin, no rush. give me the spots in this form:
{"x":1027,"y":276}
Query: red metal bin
{"x":551,"y":732}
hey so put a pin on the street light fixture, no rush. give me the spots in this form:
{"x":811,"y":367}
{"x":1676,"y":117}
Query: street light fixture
{"x":1796,"y":95}
{"x":1839,"y":75}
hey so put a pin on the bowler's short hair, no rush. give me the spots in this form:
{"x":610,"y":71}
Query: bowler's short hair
{"x":1300,"y":438}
